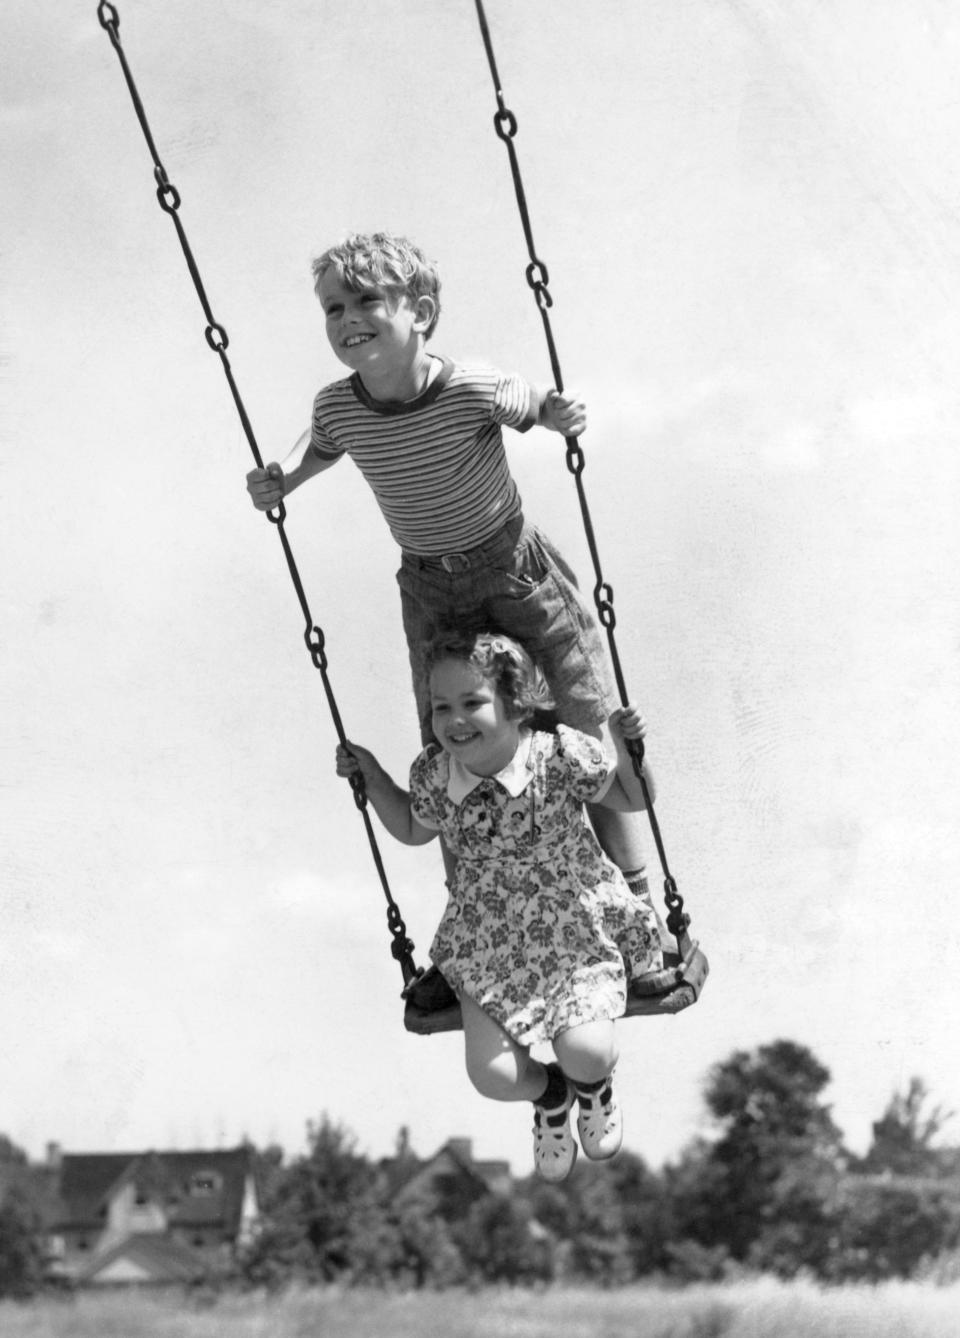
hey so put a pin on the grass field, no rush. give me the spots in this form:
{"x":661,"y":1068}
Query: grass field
{"x":762,"y":1309}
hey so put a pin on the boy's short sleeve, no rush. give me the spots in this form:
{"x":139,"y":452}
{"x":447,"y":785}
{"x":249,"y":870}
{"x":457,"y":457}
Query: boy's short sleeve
{"x":426,"y":788}
{"x":514,"y":403}
{"x":588,"y":771}
{"x":321,"y":442}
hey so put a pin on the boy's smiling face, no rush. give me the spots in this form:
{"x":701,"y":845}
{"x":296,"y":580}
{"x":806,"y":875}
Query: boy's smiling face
{"x":372,"y":332}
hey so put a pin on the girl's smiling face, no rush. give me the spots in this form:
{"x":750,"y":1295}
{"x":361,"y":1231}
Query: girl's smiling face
{"x":470,"y":718}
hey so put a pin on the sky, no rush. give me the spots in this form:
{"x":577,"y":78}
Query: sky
{"x":750,"y":215}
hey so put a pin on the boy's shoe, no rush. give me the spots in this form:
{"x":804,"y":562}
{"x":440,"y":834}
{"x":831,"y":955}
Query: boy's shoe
{"x":599,"y":1121}
{"x":554,"y":1147}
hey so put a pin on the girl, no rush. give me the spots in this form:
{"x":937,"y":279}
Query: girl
{"x":540,"y":933}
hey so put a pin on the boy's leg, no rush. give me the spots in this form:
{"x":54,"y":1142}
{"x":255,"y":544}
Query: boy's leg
{"x":619,"y":833}
{"x":541,"y":605}
{"x":419,"y":624}
{"x":620,"y":839}
{"x":537,"y":623}
{"x":418,"y":627}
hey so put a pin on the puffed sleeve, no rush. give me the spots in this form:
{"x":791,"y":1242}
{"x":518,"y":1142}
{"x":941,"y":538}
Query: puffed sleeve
{"x":587,"y":770}
{"x":426,"y":788}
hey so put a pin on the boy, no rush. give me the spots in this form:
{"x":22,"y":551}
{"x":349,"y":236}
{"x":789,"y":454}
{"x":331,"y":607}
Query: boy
{"x":426,"y":433}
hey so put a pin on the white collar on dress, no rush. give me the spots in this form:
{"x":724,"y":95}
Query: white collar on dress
{"x":515,"y":776}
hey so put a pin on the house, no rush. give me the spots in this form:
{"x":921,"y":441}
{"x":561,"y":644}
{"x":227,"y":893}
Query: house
{"x":147,"y":1217}
{"x":449,"y":1182}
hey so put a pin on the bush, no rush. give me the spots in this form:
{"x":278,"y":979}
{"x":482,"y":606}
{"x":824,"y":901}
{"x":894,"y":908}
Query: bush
{"x":21,"y":1257}
{"x":689,"y":1261}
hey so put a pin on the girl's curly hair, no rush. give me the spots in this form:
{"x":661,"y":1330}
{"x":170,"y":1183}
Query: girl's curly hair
{"x":500,"y":659}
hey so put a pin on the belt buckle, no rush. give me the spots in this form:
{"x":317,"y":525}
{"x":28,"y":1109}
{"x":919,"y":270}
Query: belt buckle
{"x":450,"y":563}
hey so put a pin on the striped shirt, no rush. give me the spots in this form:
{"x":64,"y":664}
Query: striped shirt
{"x":436,"y":464}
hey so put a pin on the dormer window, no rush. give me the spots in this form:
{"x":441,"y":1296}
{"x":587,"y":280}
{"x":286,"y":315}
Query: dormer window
{"x":204,"y":1184}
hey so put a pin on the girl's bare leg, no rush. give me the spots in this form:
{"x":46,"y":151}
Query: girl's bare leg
{"x":588,"y":1053}
{"x":497,"y":1066}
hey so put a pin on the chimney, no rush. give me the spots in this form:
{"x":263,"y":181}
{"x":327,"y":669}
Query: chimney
{"x":54,"y":1156}
{"x":462,"y":1148}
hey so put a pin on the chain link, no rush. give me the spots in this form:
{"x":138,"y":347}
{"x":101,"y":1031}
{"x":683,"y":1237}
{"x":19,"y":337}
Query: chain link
{"x":505,"y":123}
{"x":216,"y":337}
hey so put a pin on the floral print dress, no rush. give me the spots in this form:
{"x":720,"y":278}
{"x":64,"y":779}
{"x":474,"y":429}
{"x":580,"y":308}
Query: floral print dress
{"x":540,"y":928}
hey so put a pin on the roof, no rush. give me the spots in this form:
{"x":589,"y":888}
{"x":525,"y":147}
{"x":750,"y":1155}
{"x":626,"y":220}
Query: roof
{"x":88,"y":1181}
{"x":153,"y":1258}
{"x":455,"y":1155}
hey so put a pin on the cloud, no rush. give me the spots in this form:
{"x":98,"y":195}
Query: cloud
{"x":302,"y":891}
{"x":48,"y":945}
{"x":732,"y":419}
{"x":894,"y":418}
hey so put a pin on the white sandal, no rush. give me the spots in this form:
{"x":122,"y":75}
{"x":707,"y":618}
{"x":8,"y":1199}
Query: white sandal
{"x":599,"y":1121}
{"x":554,"y":1147}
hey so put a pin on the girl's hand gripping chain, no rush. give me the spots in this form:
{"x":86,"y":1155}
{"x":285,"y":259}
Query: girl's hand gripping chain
{"x":353,"y":760}
{"x":390,"y":802}
{"x":626,"y":793}
{"x":627,"y":723}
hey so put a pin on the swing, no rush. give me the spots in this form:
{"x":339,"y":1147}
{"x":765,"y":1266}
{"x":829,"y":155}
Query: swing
{"x":430,"y":1003}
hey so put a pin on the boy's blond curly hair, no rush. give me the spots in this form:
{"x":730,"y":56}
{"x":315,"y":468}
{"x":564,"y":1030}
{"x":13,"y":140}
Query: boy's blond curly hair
{"x":382,"y":260}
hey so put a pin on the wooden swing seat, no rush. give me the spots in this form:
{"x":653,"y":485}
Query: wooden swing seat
{"x":432,"y":1005}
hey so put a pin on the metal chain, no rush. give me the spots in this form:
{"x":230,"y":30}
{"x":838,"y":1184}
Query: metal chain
{"x":216,"y":336}
{"x":505,"y":124}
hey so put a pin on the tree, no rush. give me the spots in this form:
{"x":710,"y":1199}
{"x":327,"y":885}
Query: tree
{"x":601,"y":1251}
{"x":428,"y":1255}
{"x":644,"y":1212}
{"x":899,"y":1207}
{"x":551,"y":1206}
{"x":268,"y":1170}
{"x":888,"y":1229}
{"x":21,"y":1255}
{"x":21,"y":1226}
{"x":694,"y":1187}
{"x":770,"y":1178}
{"x":801,"y":1221}
{"x":314,"y":1210}
{"x":904,"y":1134}
{"x":10,"y":1154}
{"x":277,"y":1254}
{"x":499,"y":1243}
